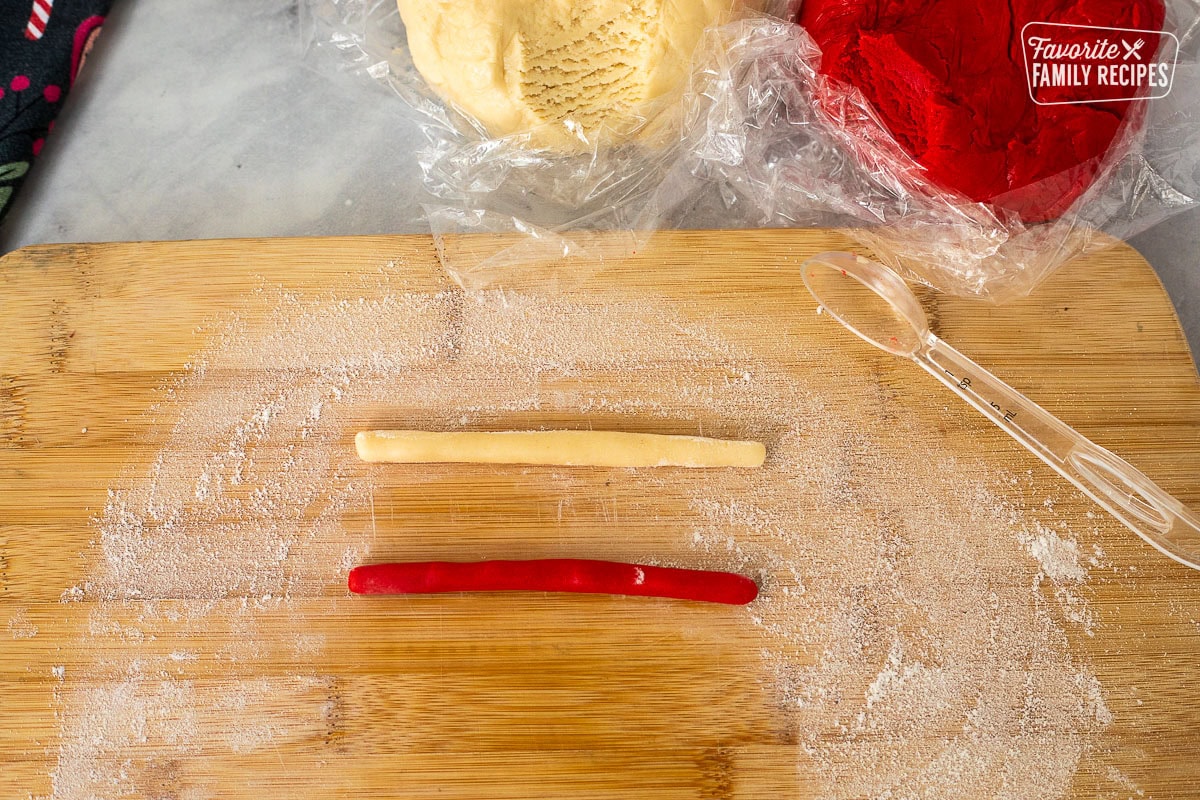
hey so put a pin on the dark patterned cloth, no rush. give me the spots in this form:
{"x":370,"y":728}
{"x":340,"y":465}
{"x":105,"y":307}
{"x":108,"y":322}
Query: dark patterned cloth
{"x":43,"y":43}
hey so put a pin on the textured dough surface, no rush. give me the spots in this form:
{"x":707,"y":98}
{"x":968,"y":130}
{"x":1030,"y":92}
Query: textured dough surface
{"x":560,"y":68}
{"x":561,"y":448}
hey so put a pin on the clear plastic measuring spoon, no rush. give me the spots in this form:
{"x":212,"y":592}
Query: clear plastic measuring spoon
{"x":877,"y":305}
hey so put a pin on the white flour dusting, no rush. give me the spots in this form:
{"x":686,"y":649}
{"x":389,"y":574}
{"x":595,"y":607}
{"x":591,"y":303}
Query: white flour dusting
{"x":1059,"y":558}
{"x":902,"y":602}
{"x":901,"y":578}
{"x":19,"y":624}
{"x":1066,"y":568}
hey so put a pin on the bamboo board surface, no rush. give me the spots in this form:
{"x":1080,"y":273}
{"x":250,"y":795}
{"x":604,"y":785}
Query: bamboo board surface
{"x":577,"y":697}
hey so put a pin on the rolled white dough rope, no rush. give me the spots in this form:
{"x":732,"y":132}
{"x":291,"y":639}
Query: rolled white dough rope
{"x":557,"y":448}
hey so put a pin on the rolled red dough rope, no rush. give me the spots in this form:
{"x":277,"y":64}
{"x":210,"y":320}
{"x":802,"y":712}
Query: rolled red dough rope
{"x":560,"y":448}
{"x":579,"y":575}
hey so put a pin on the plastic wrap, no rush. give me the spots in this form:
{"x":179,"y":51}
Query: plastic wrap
{"x":757,"y":137}
{"x":762,"y":148}
{"x":546,"y":203}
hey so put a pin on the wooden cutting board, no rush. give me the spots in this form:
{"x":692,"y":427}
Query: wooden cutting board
{"x":521,"y":696}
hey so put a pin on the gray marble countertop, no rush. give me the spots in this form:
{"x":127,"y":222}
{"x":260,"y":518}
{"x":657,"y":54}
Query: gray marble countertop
{"x":198,"y":119}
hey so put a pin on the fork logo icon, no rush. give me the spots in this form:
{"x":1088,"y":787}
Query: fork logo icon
{"x":1133,"y":50}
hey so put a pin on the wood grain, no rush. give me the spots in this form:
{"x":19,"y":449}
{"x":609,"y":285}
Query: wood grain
{"x":585,"y":697}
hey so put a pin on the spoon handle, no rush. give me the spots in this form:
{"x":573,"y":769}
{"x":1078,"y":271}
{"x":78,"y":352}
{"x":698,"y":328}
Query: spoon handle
{"x":1113,"y":483}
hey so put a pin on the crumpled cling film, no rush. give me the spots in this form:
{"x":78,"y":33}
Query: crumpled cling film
{"x":758,"y":138}
{"x":512,"y":184}
{"x":769,"y":142}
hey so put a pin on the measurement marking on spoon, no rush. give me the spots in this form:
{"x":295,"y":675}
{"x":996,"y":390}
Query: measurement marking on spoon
{"x":965,"y":383}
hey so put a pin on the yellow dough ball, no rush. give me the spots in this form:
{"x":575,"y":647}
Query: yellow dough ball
{"x":559,"y":68}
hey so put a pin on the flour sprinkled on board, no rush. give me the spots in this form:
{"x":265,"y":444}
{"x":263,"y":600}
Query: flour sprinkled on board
{"x":905,"y":637}
{"x":19,"y":624}
{"x":1059,"y":558}
{"x":899,"y":620}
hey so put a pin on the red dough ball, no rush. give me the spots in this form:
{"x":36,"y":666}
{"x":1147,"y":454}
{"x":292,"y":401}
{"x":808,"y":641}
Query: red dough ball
{"x":947,"y":79}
